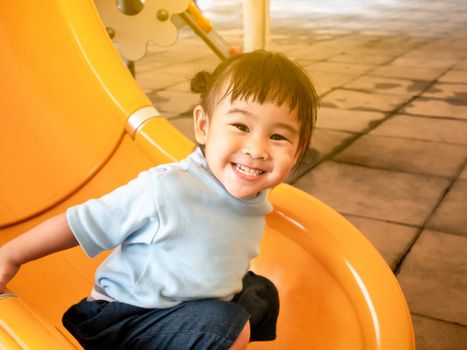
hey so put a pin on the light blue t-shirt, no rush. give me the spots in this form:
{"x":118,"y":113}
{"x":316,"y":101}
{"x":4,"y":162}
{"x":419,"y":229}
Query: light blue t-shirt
{"x":179,"y":236}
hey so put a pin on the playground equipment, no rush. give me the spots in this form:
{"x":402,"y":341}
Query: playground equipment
{"x":75,"y":125}
{"x":132,"y":25}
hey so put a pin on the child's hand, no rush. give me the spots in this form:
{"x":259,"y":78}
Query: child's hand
{"x":8,"y":269}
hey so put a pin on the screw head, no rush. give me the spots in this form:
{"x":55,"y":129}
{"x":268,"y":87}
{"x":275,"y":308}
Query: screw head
{"x":162,"y":15}
{"x":111,"y":32}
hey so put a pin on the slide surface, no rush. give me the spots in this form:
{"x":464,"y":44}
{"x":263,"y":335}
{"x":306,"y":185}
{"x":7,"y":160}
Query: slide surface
{"x":65,"y":102}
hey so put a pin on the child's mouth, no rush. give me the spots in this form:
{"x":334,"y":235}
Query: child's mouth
{"x":248,"y":171}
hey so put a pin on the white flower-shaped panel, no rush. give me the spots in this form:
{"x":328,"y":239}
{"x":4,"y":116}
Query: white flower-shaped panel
{"x":132,"y":33}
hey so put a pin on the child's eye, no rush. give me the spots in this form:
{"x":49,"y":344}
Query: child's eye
{"x":241,"y":127}
{"x":277,"y":137}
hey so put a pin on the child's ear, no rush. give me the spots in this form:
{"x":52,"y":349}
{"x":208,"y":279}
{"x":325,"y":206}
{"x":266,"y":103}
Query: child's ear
{"x":201,"y":121}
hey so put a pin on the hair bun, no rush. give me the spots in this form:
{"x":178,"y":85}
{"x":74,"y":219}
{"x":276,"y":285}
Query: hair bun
{"x":200,"y":81}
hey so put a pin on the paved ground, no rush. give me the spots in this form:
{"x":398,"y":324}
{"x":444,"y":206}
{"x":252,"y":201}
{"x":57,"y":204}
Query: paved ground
{"x":390,"y":151}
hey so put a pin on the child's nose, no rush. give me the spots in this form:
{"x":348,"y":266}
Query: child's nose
{"x":256,"y":148}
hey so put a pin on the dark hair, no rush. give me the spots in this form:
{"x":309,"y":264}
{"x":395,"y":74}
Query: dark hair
{"x":265,"y":77}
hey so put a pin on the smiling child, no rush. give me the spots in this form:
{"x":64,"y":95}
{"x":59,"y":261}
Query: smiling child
{"x":183,"y":234}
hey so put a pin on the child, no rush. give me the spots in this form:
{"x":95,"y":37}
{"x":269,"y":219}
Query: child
{"x":184,"y":233}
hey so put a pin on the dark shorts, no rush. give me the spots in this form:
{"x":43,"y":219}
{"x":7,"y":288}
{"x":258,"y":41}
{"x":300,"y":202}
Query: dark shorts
{"x":201,"y":324}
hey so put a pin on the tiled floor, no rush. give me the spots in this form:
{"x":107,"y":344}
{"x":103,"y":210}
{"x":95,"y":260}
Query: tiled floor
{"x":390,"y":151}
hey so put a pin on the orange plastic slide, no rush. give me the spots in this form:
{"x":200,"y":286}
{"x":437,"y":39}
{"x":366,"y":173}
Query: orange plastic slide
{"x":75,"y":125}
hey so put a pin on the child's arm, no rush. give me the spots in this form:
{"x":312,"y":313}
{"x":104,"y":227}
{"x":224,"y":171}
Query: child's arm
{"x":46,"y":238}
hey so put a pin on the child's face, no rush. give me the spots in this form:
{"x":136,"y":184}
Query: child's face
{"x":249,"y":146}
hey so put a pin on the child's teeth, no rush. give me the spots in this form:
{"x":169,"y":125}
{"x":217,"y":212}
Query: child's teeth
{"x":249,"y":171}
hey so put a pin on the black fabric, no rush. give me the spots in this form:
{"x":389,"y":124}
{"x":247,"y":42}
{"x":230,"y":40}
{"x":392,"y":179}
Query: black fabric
{"x":259,"y":297}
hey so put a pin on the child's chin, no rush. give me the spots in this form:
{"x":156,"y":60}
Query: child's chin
{"x":243,"y":195}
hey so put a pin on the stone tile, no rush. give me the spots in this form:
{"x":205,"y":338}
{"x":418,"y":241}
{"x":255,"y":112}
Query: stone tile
{"x":425,"y":74}
{"x":399,"y":42}
{"x":350,"y":99}
{"x":463,"y":175}
{"x":412,"y":156}
{"x":413,"y":60}
{"x":358,"y":58}
{"x":184,"y":86}
{"x":374,"y":193}
{"x":431,"y":334}
{"x":439,"y":108}
{"x":324,"y":81}
{"x":353,"y":41}
{"x":333,"y":31}
{"x":180,"y":52}
{"x":434,"y":277}
{"x":423,"y":128}
{"x":454,"y":76}
{"x":432,"y":52}
{"x":442,"y":52}
{"x":338,"y":67}
{"x":326,"y":141}
{"x":157,"y":79}
{"x":159,"y":69}
{"x":173,"y":101}
{"x":327,"y":48}
{"x":447,"y":91}
{"x":188,"y":70}
{"x":312,"y":53}
{"x":391,"y":240}
{"x":147,"y":64}
{"x":378,"y":51}
{"x":347,"y":120}
{"x":388,"y":85}
{"x":451,"y":216}
{"x":462,"y":64}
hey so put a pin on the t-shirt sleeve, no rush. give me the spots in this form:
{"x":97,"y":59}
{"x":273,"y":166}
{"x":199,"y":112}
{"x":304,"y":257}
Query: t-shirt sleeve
{"x":125,"y":214}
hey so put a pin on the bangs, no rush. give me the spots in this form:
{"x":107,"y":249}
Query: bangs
{"x":263,"y":81}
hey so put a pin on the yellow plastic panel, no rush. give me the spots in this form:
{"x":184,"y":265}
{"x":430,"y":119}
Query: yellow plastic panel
{"x":21,"y":328}
{"x":55,"y":134}
{"x":50,"y":285}
{"x":315,"y":312}
{"x":352,"y":261}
